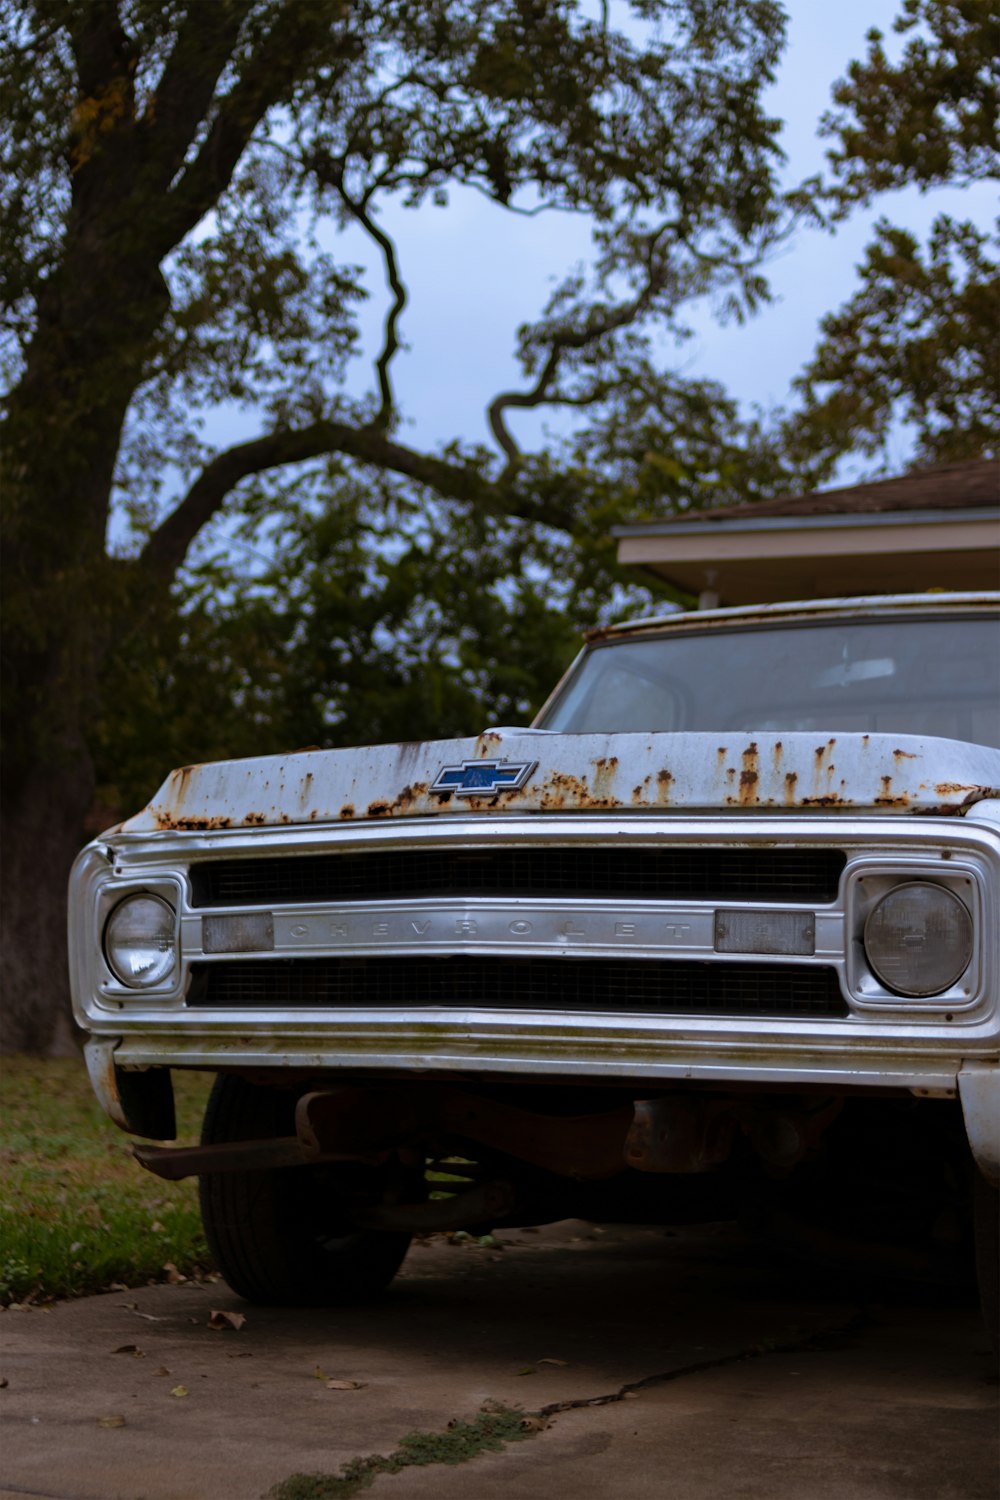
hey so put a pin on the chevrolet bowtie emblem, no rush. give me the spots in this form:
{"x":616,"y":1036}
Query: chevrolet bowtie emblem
{"x":477,"y":778}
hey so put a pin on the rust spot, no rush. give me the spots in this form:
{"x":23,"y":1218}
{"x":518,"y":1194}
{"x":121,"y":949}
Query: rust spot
{"x":347,"y":811}
{"x":749,"y":776}
{"x":730,"y":773}
{"x":902,"y":801}
{"x":637,"y":793}
{"x":254,"y":819}
{"x":865,"y":738}
{"x":722,"y":752}
{"x":605,"y":770}
{"x":166,"y":821}
{"x":829,"y":799}
{"x":776,"y":754}
{"x":952,"y":789}
{"x":791,"y":781}
{"x":664,"y":781}
{"x":378,"y":809}
{"x":408,"y":796}
{"x":489,"y":739}
{"x":886,"y":786}
{"x":904,"y":755}
{"x":562,"y":790}
{"x":748,"y":788}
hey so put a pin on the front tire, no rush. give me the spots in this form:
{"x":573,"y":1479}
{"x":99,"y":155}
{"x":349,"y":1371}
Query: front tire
{"x":282,"y":1236}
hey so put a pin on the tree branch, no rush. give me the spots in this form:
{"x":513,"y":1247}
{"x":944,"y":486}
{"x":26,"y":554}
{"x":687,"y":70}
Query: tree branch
{"x":166,"y":549}
{"x":390,"y":343}
{"x":301,"y":27}
{"x":101,"y":48}
{"x":521,"y":400}
{"x":203,"y":45}
{"x":596,"y":326}
{"x":513,"y":208}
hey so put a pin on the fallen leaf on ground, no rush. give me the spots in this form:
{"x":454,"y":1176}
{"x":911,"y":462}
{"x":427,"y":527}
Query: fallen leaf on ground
{"x":118,"y":1286}
{"x":320,"y":1374}
{"x":631,"y":1395}
{"x":534,"y":1424}
{"x":179,"y":1391}
{"x":345,"y":1385}
{"x":115,"y":1421}
{"x":157,"y":1227}
{"x":171,"y":1273}
{"x":218,"y":1319}
{"x":163,"y":1370}
{"x":553,"y":1361}
{"x":132,"y":1349}
{"x":528,"y":1370}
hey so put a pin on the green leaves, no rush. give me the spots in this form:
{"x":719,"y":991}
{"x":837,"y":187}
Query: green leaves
{"x":919,"y":342}
{"x":928,"y":118}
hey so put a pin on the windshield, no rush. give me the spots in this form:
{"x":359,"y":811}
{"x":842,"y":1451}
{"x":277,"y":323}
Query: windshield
{"x":932,"y":676}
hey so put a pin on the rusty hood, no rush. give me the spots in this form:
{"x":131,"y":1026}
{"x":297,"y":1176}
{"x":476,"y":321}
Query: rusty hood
{"x":533,"y":771}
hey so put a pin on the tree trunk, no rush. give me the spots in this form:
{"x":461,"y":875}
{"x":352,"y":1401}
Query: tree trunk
{"x":43,"y":815}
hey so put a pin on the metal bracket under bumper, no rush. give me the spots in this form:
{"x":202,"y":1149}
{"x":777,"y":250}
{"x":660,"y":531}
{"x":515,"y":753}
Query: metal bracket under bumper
{"x":139,"y":1102}
{"x":979,"y":1091}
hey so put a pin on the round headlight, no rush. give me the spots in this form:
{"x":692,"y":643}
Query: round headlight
{"x":918,"y":939}
{"x":139,"y":941}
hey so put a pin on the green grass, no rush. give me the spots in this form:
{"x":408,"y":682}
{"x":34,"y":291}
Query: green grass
{"x":76,"y":1212}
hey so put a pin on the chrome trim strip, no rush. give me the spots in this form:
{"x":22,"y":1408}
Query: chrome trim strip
{"x":523,"y":925}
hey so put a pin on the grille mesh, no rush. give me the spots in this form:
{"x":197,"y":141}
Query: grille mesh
{"x":694,"y":874}
{"x":616,"y":985}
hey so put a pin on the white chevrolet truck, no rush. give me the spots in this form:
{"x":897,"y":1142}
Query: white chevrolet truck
{"x":716,"y":936}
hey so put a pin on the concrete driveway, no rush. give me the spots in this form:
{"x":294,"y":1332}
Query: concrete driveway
{"x":684,"y":1364}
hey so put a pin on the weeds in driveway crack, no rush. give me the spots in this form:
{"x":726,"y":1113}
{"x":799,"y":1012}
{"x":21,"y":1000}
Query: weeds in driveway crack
{"x":489,"y":1431}
{"x":495,"y":1425}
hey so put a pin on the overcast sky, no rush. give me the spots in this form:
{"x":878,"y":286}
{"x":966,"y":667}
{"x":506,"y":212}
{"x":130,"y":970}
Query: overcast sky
{"x":474,"y":272}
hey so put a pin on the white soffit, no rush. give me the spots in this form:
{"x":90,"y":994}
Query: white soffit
{"x":754,"y":561}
